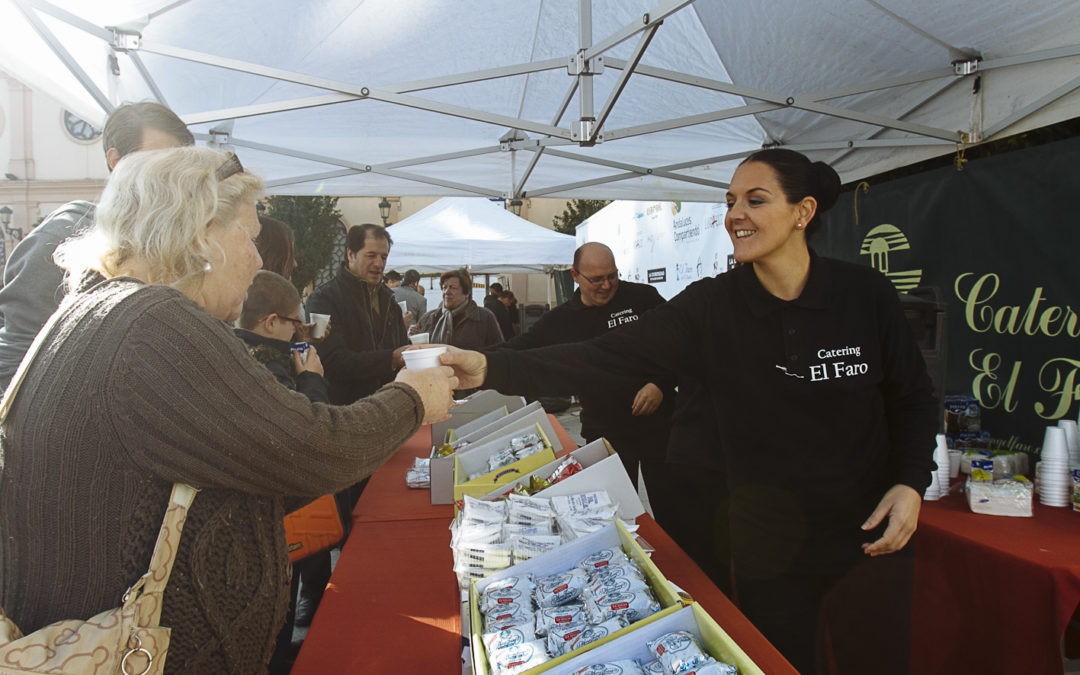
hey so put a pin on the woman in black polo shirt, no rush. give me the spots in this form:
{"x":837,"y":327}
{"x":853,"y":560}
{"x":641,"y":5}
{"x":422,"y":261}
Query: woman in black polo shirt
{"x":824,"y":412}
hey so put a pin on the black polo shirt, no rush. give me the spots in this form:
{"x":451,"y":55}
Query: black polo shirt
{"x":822,"y":403}
{"x":609,"y":413}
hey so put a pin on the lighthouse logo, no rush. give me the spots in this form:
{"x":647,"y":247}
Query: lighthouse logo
{"x":886,"y":244}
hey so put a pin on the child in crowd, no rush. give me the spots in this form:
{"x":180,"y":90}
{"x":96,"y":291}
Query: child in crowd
{"x":267,"y":324}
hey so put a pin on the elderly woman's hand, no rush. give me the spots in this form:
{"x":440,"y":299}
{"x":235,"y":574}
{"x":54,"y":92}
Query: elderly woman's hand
{"x":436,"y":388}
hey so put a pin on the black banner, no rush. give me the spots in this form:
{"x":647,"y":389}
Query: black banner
{"x":1000,"y":240}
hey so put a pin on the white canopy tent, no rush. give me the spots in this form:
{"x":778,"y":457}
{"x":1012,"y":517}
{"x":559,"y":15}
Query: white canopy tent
{"x":622,"y":99}
{"x":478,"y":234}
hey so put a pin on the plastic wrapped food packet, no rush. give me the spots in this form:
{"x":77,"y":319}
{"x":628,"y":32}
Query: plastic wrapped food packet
{"x":503,"y":596}
{"x":574,"y":526}
{"x":528,"y":450}
{"x":470,"y":533}
{"x":511,"y":530}
{"x":518,"y":658}
{"x":484,"y":511}
{"x":519,"y":443}
{"x":678,"y":651}
{"x":560,"y":639}
{"x":506,"y":638}
{"x":634,"y":606}
{"x":598,"y":631}
{"x":567,"y":468}
{"x":562,"y":615}
{"x":580,"y":504}
{"x":523,"y":582}
{"x":629,"y":569}
{"x":630,"y":584}
{"x":524,"y":621}
{"x":711,"y":667}
{"x":603,"y":558}
{"x":530,"y":507}
{"x":505,"y":612}
{"x":536,"y":484}
{"x":560,"y":589}
{"x":485,"y":555}
{"x":498,"y":461}
{"x":621,"y":667}
{"x":653,"y":668}
{"x":523,"y":547}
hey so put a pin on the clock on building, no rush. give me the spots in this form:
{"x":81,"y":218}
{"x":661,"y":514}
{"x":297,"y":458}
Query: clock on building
{"x":80,"y":129}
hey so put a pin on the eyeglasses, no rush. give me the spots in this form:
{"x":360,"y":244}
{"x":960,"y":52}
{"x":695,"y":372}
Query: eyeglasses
{"x":231,"y":167}
{"x":596,"y":281}
{"x":296,"y":322}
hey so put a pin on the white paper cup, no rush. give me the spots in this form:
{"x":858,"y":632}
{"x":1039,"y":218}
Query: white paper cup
{"x":418,"y":339}
{"x":320,"y":321}
{"x":419,"y":359}
{"x":954,"y":463}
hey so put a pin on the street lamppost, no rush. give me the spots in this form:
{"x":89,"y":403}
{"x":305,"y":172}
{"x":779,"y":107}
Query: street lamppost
{"x":5,"y":220}
{"x":384,"y":211}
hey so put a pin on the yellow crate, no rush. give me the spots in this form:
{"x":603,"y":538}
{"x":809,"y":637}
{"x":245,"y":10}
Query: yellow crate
{"x":632,"y":644}
{"x":481,"y":485}
{"x":560,"y":560}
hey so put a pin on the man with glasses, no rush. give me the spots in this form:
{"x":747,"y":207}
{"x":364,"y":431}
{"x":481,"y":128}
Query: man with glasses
{"x":33,"y":284}
{"x":635,"y":415}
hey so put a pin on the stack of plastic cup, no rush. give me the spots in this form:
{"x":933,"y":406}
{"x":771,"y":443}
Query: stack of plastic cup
{"x":1072,"y":440}
{"x":1055,"y":484}
{"x":939,"y":479}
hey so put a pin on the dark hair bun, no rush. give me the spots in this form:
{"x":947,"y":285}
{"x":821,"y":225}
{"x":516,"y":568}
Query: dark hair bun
{"x":826,"y":186}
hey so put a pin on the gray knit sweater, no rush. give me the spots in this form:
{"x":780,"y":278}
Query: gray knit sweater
{"x":135,"y":388}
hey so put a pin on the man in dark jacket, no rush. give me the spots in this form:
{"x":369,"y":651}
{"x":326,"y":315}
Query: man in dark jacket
{"x":634,"y":414}
{"x":33,"y":284}
{"x":493,"y":303}
{"x":367,"y":336}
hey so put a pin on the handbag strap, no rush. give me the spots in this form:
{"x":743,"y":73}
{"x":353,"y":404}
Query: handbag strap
{"x":180,"y":499}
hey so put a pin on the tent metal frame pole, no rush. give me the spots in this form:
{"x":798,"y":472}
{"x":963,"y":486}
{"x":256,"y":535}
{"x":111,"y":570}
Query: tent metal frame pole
{"x":65,"y":57}
{"x":689,"y":121}
{"x":584,"y":69}
{"x":940,"y":87}
{"x":71,"y":19}
{"x":1031,"y":108}
{"x":267,"y":108}
{"x":375,"y":93}
{"x":640,"y":170}
{"x":148,"y":78}
{"x":648,"y":20}
{"x":567,"y":98}
{"x":624,"y":78}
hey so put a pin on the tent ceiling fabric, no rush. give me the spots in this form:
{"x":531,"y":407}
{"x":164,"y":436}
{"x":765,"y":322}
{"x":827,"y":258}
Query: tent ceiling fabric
{"x":412,"y":97}
{"x":478,"y":234}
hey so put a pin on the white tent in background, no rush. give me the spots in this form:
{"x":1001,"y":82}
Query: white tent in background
{"x":612,"y":99}
{"x":478,"y":234}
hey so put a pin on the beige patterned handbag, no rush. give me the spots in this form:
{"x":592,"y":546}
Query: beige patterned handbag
{"x":126,"y":640}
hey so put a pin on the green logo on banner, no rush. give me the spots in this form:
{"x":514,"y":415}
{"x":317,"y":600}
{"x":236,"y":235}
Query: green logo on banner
{"x":881,"y":244}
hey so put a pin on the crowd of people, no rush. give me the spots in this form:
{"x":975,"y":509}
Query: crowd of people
{"x":149,"y":340}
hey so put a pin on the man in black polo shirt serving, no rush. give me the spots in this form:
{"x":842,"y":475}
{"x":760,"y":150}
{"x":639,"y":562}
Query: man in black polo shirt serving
{"x":633,"y":414}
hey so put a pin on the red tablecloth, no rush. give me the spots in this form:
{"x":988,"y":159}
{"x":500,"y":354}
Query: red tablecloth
{"x":392,"y":604}
{"x":993,"y":594}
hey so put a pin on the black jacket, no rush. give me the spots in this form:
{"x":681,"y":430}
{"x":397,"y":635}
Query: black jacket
{"x":357,"y":356}
{"x":502,"y":315}
{"x":277,"y":357}
{"x":821,"y":403}
{"x":607,"y":413}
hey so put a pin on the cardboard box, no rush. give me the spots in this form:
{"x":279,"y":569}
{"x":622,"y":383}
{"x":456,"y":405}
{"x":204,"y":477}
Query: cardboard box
{"x":478,"y":422}
{"x":472,"y":407}
{"x":522,"y":418}
{"x":601,"y":470}
{"x":475,"y":459}
{"x":442,"y":468}
{"x":562,"y":559}
{"x":632,"y":644}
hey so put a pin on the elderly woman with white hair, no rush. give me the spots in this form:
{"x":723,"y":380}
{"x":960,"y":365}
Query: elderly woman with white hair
{"x":138,"y":384}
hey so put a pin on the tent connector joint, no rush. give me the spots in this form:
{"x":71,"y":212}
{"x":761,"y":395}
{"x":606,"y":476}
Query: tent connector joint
{"x":365,"y":92}
{"x":967,"y":66}
{"x":577,"y":64}
{"x":581,"y":131}
{"x":789,"y":101}
{"x":125,"y":41}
